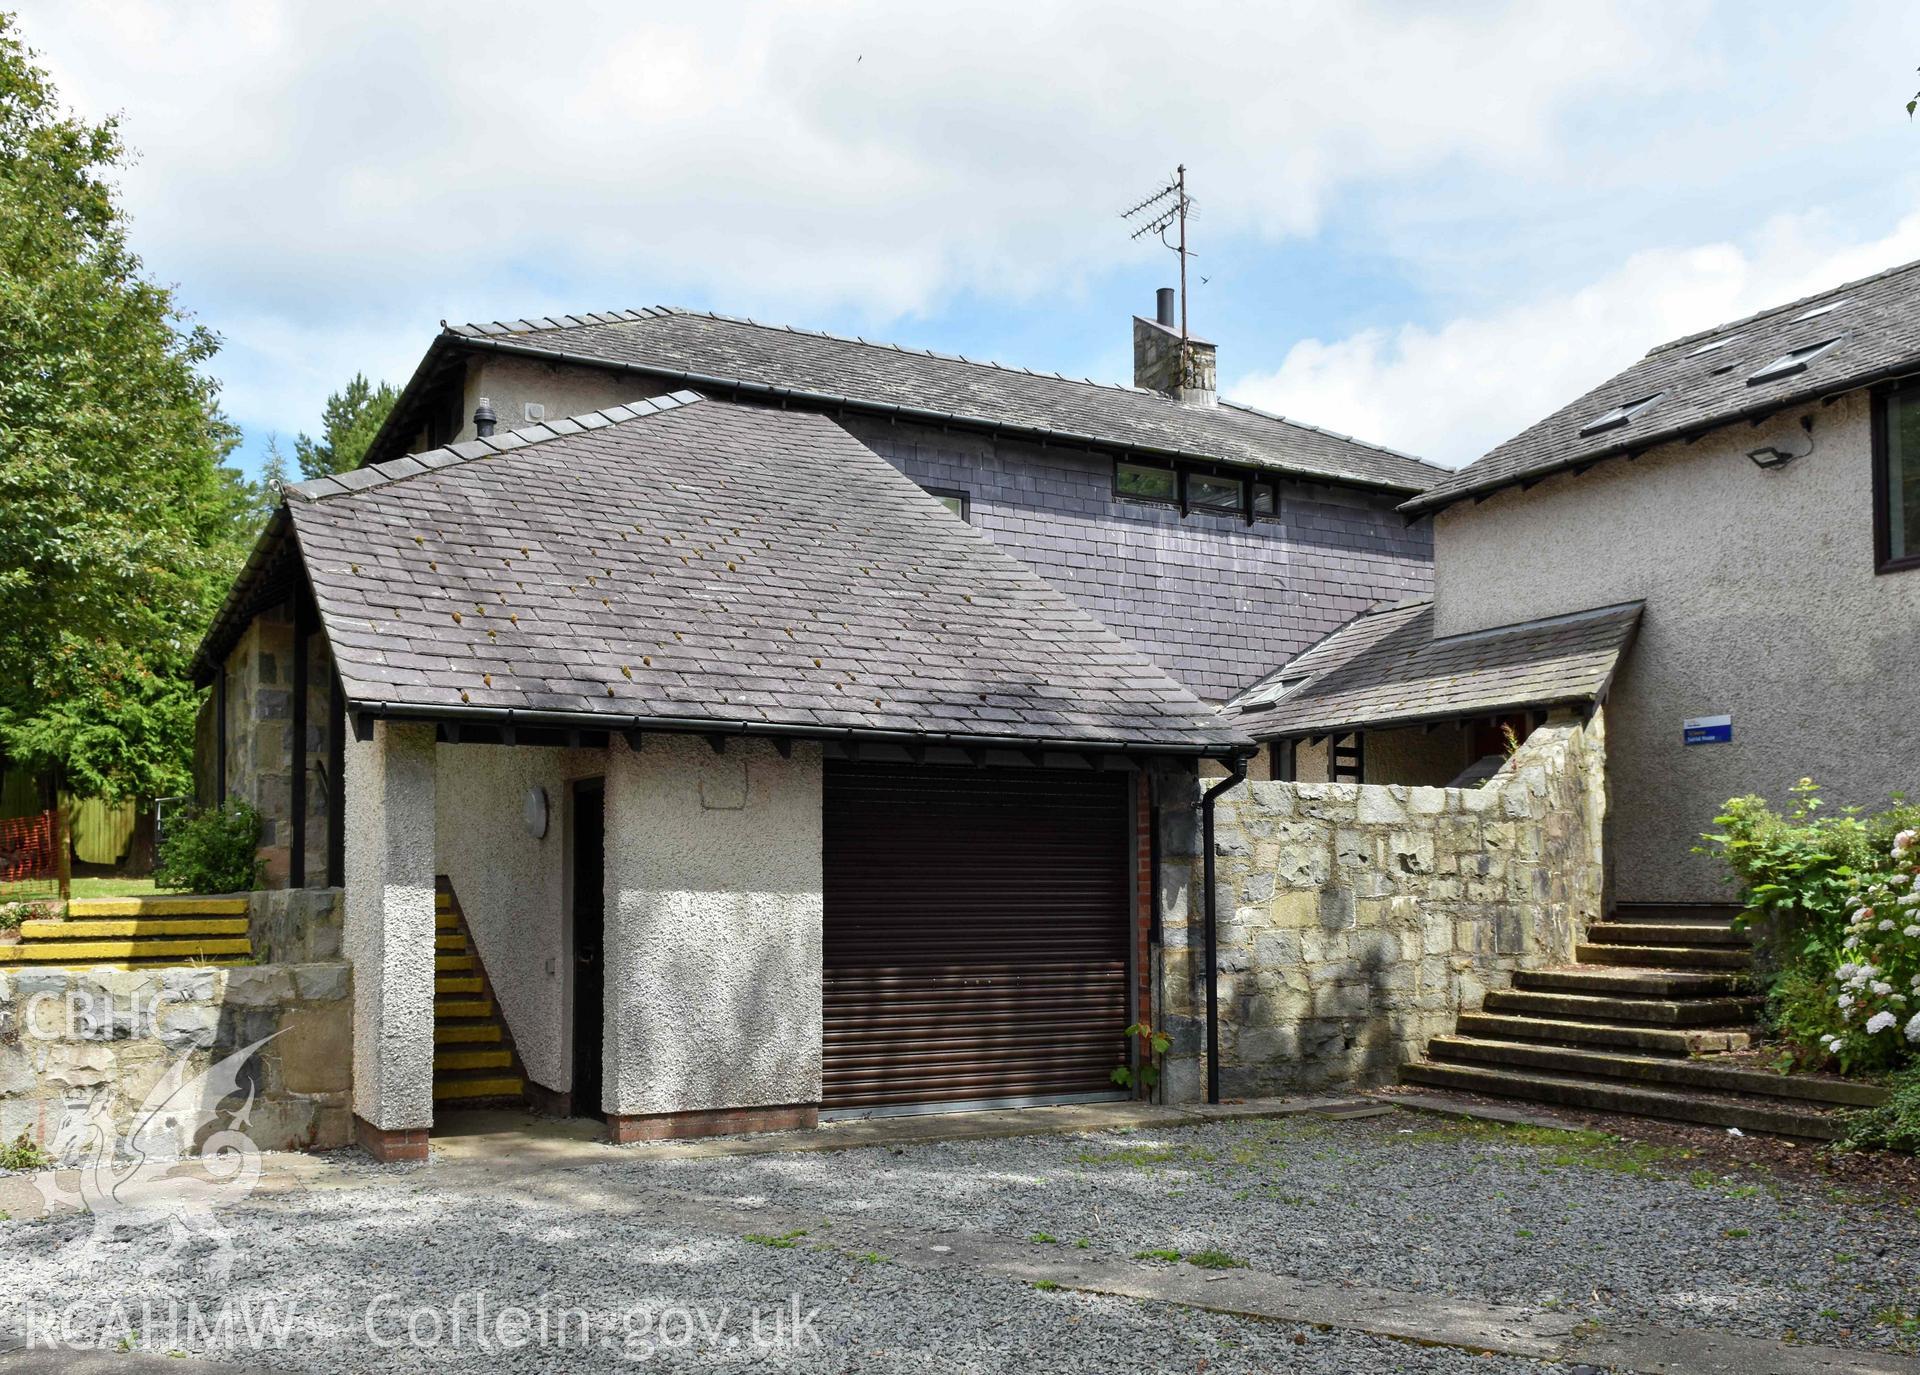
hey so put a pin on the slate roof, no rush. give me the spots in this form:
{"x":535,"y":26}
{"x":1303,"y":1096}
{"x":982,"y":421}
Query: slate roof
{"x":693,"y":564}
{"x":1384,"y":667}
{"x":718,"y":353}
{"x":1708,"y":379}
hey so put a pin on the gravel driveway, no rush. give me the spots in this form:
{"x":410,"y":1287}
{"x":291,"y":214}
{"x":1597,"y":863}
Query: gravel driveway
{"x":1535,"y":1217}
{"x":379,"y":1268}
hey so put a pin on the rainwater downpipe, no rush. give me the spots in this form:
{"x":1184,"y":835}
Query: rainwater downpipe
{"x":1237,"y":775}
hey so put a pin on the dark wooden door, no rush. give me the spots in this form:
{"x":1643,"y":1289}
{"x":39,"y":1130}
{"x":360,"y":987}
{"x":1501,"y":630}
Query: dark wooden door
{"x":589,"y":922}
{"x":975,"y":934}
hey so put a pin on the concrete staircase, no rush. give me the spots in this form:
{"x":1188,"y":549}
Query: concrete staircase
{"x":1657,"y":991}
{"x":474,"y":1061}
{"x":131,"y":932}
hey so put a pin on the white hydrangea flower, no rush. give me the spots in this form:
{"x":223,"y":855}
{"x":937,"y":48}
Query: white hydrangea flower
{"x":1913,"y":1028}
{"x":1911,"y":932}
{"x":1903,"y":843}
{"x":1846,"y":1001}
{"x":1879,"y":1022}
{"x":1886,"y":925}
{"x":1881,"y":988}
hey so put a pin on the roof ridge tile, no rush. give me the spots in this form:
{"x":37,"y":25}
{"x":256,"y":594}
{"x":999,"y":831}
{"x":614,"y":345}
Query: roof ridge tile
{"x":507,"y":441}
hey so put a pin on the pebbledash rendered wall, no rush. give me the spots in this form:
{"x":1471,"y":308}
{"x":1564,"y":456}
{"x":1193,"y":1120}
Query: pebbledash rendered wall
{"x":1355,"y":921}
{"x":1761,"y":603}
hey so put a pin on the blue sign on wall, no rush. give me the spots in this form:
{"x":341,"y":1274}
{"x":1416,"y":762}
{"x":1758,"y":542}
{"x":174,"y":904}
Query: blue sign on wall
{"x":1707,"y":730}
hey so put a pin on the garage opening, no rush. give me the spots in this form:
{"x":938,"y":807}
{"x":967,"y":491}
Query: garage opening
{"x":976,"y":934}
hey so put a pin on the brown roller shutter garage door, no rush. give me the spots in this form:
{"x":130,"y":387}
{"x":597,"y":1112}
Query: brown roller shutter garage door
{"x":976,"y":934}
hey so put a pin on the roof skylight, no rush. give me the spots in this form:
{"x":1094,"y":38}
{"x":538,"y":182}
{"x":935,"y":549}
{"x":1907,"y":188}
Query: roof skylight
{"x":1619,"y":415}
{"x":1818,"y":311}
{"x":1787,"y":364}
{"x":1713,"y":344}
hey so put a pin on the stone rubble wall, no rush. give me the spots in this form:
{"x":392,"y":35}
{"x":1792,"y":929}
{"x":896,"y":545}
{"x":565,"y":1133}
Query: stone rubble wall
{"x":1357,"y":921}
{"x":80,"y":1045}
{"x":295,"y":925}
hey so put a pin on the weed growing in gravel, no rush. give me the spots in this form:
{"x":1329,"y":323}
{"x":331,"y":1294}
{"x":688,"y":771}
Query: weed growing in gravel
{"x":1045,"y":1286}
{"x":1168,"y":1256}
{"x":1557,"y":1147}
{"x":786,"y":1241}
{"x":1139,"y":1157}
{"x":1044,"y":1238}
{"x":1735,"y":1233}
{"x":1215,"y":1260}
{"x":1899,"y":1320}
{"x":873,"y":1258}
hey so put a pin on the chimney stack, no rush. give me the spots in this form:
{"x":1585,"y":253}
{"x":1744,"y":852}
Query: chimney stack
{"x":1165,"y":363}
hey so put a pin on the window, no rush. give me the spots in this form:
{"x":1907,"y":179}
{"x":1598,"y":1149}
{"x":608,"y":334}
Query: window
{"x":1210,"y":492}
{"x":1145,"y":482}
{"x":1266,"y":499}
{"x":954,"y":501}
{"x":1619,"y":415}
{"x":1787,"y":364}
{"x":1896,"y":481}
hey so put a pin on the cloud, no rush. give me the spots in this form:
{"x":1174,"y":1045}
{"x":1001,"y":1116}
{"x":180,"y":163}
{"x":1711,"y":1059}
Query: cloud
{"x":325,"y":181}
{"x":1452,"y":391}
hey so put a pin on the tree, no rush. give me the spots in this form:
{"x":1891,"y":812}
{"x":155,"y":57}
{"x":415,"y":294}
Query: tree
{"x":120,"y":522}
{"x":351,"y":419}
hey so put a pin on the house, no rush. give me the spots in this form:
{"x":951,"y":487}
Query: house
{"x":761,"y":783}
{"x":1721,"y":544}
{"x":1218,"y":539}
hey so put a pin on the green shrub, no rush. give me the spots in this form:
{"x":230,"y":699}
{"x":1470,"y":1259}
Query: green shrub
{"x":214,"y":850}
{"x":1895,"y":1124}
{"x":1801,"y":874}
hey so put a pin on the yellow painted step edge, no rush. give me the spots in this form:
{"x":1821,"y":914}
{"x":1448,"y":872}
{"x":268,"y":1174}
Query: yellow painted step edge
{"x":471,"y":1034}
{"x":504,"y":1087}
{"x":448,"y":984}
{"x":157,"y":907}
{"x":497,"y":1058}
{"x":102,"y":929}
{"x":37,"y":952}
{"x":453,"y":962}
{"x":464,"y":1007}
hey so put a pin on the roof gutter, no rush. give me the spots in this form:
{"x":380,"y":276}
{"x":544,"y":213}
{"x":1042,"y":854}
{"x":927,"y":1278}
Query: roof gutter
{"x":1425,"y":504}
{"x":891,"y":410}
{"x":696,"y":725}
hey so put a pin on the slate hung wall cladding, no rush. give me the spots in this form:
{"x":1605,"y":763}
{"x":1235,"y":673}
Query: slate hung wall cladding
{"x":1214,"y":601}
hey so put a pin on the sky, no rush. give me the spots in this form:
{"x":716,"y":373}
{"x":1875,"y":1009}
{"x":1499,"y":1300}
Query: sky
{"x":1423,"y":225}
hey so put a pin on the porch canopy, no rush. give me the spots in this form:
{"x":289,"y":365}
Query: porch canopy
{"x":1386,"y":668}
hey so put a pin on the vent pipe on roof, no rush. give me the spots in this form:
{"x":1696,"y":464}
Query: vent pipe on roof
{"x":484,"y":418}
{"x":1163,"y":306}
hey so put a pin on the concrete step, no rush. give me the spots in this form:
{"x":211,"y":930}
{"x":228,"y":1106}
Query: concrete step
{"x":1649,"y":1011}
{"x":119,"y":951}
{"x":1631,"y":983}
{"x":1609,"y":1095}
{"x":445,"y":921}
{"x":457,"y":1033}
{"x":1665,"y":956}
{"x":85,"y":909}
{"x":450,"y":942}
{"x":452,"y":964}
{"x":1655,"y":1071}
{"x":101,"y":928}
{"x":1659,"y":912}
{"x":463,"y":1086}
{"x":497,"y":1057}
{"x":1658,"y":933}
{"x":457,"y":985}
{"x":1646,"y":1040}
